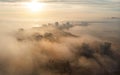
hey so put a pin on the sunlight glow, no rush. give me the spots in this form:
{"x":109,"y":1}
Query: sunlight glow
{"x":34,"y":6}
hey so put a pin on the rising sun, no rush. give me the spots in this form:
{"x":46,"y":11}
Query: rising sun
{"x":34,"y":6}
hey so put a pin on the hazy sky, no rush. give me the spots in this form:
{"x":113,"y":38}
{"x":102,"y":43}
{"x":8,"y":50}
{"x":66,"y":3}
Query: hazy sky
{"x":66,"y":0}
{"x":60,"y":10}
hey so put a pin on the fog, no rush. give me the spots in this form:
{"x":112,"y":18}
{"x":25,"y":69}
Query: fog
{"x":60,"y":49}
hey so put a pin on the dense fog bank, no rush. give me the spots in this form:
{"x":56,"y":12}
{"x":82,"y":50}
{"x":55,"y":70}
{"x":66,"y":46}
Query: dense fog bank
{"x":56,"y":50}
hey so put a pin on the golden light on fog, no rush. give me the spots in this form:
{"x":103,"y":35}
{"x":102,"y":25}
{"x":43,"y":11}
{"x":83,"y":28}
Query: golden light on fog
{"x":34,"y":6}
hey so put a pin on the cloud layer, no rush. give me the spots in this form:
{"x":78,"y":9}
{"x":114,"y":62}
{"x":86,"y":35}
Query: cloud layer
{"x":53,"y":50}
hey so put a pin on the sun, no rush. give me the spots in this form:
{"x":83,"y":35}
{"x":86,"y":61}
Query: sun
{"x":34,"y":6}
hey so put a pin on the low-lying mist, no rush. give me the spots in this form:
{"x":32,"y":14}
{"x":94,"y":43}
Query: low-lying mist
{"x":56,"y":50}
